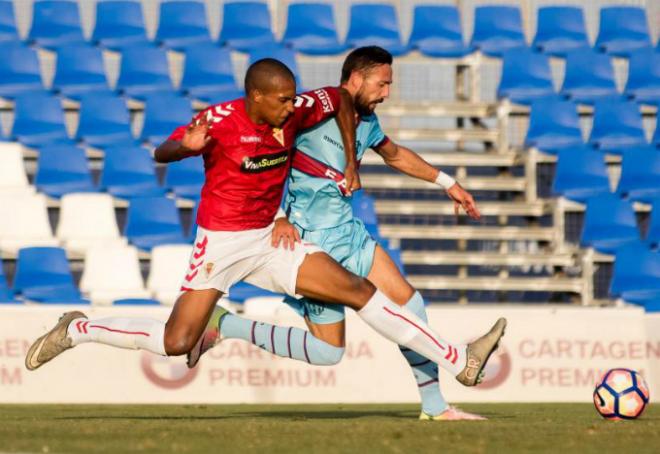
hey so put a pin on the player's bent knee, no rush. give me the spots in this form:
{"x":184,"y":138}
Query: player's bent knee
{"x":330,"y":357}
{"x":176,"y":345}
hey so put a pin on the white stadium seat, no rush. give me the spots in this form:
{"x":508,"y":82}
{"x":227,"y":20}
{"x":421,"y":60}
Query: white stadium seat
{"x":13,"y":179}
{"x":168,"y":266}
{"x":24,"y":222}
{"x":88,"y":219}
{"x":111,"y":273}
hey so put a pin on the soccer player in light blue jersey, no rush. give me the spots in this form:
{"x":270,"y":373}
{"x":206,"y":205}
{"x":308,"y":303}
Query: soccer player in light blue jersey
{"x":318,"y":207}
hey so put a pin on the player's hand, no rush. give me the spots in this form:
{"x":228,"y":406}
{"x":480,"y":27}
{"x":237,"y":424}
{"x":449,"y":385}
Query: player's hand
{"x":196,"y":136}
{"x":464,"y":199}
{"x":352,"y":178}
{"x":284,"y":232}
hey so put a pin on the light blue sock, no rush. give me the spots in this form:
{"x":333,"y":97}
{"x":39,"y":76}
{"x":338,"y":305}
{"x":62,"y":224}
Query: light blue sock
{"x":424,"y":370}
{"x":288,"y":342}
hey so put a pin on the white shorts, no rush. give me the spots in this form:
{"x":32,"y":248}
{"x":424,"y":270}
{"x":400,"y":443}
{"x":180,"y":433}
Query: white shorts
{"x":220,"y":259}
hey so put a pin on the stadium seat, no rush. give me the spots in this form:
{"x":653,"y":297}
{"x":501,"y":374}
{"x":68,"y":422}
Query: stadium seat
{"x":104,"y":121}
{"x":24,"y":222}
{"x":62,"y":170}
{"x":636,"y":273}
{"x":8,"y":30}
{"x":55,"y":23}
{"x":437,"y":32}
{"x":182,"y":24}
{"x":311,"y":29}
{"x":375,"y":24}
{"x":581,"y":173}
{"x":186,"y":177}
{"x":129,"y":172}
{"x":623,"y":29}
{"x":589,"y":76}
{"x":6,"y":294}
{"x":43,"y":275}
{"x":153,"y":221}
{"x":526,"y":76}
{"x":283,"y":54}
{"x":163,"y":113}
{"x":79,"y":70}
{"x":208,"y":75}
{"x":364,"y":208}
{"x":119,"y":24}
{"x":640,"y":174}
{"x":39,"y":120}
{"x":246,"y":26}
{"x":560,"y":29}
{"x":169,"y":264}
{"x":643,"y":83}
{"x":144,"y":70}
{"x":617,"y":125}
{"x":554,"y":124}
{"x":497,"y":29}
{"x":192,"y":233}
{"x":87,"y":220}
{"x":13,"y":179}
{"x":653,"y":232}
{"x":136,"y":302}
{"x":609,"y":223}
{"x":112,"y":273}
{"x":19,"y":70}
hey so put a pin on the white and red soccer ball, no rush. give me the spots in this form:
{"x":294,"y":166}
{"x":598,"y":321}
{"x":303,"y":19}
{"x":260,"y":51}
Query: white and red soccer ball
{"x":621,"y":394}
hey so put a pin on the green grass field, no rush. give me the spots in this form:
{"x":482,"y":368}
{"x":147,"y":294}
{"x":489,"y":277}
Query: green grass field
{"x":556,"y":428}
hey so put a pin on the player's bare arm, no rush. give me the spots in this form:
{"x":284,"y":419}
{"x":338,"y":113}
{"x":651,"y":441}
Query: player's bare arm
{"x":346,"y":121}
{"x":192,"y":143}
{"x":407,"y":161}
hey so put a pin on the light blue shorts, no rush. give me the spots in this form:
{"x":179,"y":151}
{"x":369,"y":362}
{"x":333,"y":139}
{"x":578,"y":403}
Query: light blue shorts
{"x":349,"y":244}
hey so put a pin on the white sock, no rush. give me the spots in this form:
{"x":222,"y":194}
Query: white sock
{"x":134,"y":333}
{"x":400,"y":325}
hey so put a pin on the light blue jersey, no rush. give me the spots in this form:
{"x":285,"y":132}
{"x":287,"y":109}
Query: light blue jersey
{"x":315,"y":203}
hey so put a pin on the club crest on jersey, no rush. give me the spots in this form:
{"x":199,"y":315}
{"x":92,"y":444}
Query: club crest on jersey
{"x":278,"y":134}
{"x":264,"y":162}
{"x":208,"y":269}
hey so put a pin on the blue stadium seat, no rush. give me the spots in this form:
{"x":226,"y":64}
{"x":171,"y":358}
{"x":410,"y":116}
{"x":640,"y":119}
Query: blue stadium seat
{"x":62,"y":170}
{"x":152,"y":221}
{"x":653,"y":233}
{"x":609,"y":223}
{"x":6,"y":294}
{"x":39,"y":120}
{"x":242,"y":291}
{"x":437,"y":32}
{"x":104,"y":121}
{"x":375,"y":24}
{"x":162,"y":114}
{"x":640,"y":174}
{"x":623,"y":29}
{"x":192,"y":233}
{"x":8,"y":30}
{"x":186,"y":177}
{"x":129,"y":172}
{"x":43,"y":275}
{"x":144,"y":70}
{"x":119,"y":24}
{"x":19,"y":70}
{"x":364,"y":208}
{"x":554,"y":124}
{"x":526,"y":76}
{"x":283,"y":54}
{"x":560,"y":29}
{"x":208,"y":75}
{"x":589,"y":76}
{"x":79,"y":70}
{"x":581,"y":173}
{"x":497,"y":29}
{"x":182,"y":24}
{"x":617,"y":125}
{"x":311,"y":29}
{"x":643,"y":83}
{"x":136,"y":302}
{"x":246,"y":26}
{"x":636,"y":276}
{"x":55,"y":23}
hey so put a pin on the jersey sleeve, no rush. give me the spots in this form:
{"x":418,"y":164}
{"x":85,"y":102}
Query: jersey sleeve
{"x":376,"y":136}
{"x":314,"y":106}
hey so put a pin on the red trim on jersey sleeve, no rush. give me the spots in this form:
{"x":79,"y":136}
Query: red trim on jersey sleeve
{"x":385,"y":141}
{"x":312,"y":107}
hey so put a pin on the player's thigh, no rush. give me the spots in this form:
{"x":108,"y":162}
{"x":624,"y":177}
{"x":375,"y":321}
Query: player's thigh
{"x":188,"y":318}
{"x":386,"y":276}
{"x":332,"y":333}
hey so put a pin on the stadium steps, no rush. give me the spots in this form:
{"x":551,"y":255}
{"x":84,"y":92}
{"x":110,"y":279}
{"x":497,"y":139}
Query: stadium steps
{"x":458,"y":159}
{"x":454,"y":135}
{"x":550,"y":284}
{"x":447,"y":232}
{"x":484,"y":258}
{"x":424,"y":207}
{"x":388,"y":181}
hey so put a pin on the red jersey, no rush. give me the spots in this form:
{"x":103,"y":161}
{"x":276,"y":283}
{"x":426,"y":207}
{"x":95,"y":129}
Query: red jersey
{"x":247,"y":164}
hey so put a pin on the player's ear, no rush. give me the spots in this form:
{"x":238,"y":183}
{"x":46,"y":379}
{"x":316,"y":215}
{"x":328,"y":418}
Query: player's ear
{"x":256,"y":95}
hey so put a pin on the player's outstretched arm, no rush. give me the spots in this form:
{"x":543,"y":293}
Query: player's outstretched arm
{"x":346,"y":121}
{"x":192,"y":143}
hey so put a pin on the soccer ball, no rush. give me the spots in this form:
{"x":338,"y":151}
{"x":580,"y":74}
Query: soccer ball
{"x":621,"y":394}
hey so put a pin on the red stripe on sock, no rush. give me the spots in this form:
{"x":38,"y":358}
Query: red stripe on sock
{"x":449,"y":353}
{"x":416,"y":326}
{"x":453,"y":360}
{"x":137,"y":333}
{"x":84,"y":326}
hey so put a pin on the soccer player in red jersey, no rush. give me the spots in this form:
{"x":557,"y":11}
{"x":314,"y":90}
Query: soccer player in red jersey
{"x":246,"y":146}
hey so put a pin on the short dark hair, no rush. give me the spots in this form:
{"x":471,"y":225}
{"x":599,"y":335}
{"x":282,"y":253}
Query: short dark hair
{"x":363,"y":59}
{"x":261,"y":72}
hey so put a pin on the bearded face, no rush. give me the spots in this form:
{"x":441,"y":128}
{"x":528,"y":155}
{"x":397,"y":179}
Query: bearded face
{"x":374,"y":89}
